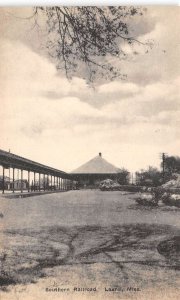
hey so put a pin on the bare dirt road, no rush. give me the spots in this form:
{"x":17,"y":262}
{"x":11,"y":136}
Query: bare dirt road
{"x":87,"y":244}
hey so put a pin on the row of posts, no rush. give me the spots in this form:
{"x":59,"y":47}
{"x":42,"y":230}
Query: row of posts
{"x":48,"y":184}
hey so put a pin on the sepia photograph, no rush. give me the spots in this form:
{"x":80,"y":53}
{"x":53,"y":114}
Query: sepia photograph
{"x":90,"y":152}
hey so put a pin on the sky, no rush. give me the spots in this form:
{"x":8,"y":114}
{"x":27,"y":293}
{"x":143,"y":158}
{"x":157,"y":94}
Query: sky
{"x":63,"y":124}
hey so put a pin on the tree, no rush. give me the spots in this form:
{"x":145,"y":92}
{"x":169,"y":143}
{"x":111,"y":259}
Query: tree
{"x":123,"y":176}
{"x":171,"y":165}
{"x":83,"y":39}
{"x":150,"y":177}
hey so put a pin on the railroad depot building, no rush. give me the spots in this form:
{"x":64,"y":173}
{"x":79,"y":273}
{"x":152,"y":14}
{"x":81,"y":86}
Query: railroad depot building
{"x":97,"y":169}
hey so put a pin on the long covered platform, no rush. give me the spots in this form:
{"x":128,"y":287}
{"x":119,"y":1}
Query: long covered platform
{"x":43,"y":177}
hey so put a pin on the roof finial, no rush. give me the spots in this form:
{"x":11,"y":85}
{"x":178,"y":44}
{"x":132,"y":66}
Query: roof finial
{"x":100,"y":154}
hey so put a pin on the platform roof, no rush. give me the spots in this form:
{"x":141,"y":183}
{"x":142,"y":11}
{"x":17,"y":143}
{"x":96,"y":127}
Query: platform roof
{"x":10,"y":160}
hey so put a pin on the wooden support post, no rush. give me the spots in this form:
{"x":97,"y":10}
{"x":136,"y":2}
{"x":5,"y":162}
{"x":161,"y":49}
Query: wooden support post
{"x":51,"y":182}
{"x":13,"y":181}
{"x":68,"y":184}
{"x":48,"y":181}
{"x":39,"y":182}
{"x":59,"y":183}
{"x":28,"y":180}
{"x":34,"y":181}
{"x":44,"y":180}
{"x":3,"y":183}
{"x":21,"y":181}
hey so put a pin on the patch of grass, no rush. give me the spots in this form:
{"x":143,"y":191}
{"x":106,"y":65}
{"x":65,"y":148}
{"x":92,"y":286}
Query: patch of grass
{"x":53,"y":246}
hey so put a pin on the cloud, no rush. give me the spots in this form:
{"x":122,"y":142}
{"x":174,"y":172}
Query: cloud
{"x":122,"y":88}
{"x":162,"y":61}
{"x":60,"y":123}
{"x":33,"y":75}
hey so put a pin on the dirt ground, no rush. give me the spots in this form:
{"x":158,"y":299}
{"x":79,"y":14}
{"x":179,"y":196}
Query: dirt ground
{"x":87,"y":244}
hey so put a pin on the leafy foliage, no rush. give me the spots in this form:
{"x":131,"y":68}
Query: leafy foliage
{"x":172,"y":165}
{"x":149,"y":177}
{"x":123,"y":176}
{"x":84,"y":38}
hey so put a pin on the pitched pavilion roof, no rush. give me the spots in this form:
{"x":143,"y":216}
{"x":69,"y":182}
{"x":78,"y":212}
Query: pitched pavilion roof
{"x":97,"y":165}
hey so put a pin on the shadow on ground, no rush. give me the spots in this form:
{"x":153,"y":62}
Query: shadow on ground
{"x":133,"y":250}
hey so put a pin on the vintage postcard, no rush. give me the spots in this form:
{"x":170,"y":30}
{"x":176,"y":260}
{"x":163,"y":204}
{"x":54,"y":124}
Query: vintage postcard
{"x":89,"y":152}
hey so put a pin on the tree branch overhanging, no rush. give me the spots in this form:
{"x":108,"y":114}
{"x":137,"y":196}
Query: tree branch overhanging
{"x":84,"y":37}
